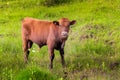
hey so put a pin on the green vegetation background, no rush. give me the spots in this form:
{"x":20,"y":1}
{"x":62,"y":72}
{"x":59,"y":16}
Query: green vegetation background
{"x":92,"y":51}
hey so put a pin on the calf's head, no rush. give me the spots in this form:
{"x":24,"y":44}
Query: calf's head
{"x":64,"y":27}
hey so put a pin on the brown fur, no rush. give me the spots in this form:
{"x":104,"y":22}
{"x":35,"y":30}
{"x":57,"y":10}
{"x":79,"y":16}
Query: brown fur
{"x":53,"y":34}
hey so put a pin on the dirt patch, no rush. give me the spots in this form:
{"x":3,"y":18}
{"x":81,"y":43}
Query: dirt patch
{"x":114,"y":65}
{"x":84,"y":77}
{"x":8,"y":35}
{"x":89,"y":31}
{"x":110,"y":42}
{"x":1,"y":35}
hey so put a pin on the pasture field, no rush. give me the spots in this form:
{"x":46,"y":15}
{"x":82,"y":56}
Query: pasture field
{"x":92,"y":51}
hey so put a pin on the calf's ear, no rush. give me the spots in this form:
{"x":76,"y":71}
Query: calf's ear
{"x":72,"y":22}
{"x":56,"y":22}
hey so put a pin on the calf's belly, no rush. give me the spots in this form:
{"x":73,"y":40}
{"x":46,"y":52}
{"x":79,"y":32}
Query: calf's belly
{"x":39,"y":42}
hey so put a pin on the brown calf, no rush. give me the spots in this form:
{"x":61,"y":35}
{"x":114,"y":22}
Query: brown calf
{"x":50,"y":33}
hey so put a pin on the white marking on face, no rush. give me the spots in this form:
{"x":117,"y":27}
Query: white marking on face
{"x":64,"y":34}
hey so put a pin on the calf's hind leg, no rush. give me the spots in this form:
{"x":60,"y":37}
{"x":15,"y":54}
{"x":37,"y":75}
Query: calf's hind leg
{"x":27,"y":44}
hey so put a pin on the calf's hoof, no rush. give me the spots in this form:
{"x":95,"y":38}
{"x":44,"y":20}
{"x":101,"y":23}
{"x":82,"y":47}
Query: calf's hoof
{"x":51,"y":66}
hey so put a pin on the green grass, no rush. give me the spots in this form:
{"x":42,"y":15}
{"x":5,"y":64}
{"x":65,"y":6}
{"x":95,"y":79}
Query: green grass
{"x":91,"y":52}
{"x":34,"y":73}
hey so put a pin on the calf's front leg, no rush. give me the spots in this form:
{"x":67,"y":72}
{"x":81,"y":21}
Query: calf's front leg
{"x":51,"y":55}
{"x":62,"y":57}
